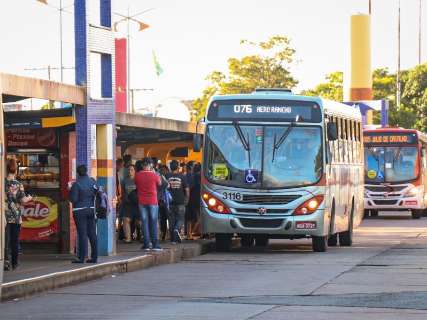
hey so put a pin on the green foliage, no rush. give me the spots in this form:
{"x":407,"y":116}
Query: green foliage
{"x":267,"y":69}
{"x":412,"y":112}
{"x":332,"y":89}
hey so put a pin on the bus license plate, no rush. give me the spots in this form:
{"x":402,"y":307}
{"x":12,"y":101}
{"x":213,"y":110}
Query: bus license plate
{"x":304,"y":225}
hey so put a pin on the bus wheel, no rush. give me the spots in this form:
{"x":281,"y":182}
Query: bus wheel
{"x":346,"y":237}
{"x":416,"y":214}
{"x":332,"y":240}
{"x":261,"y":241}
{"x":247,"y":240}
{"x":222,"y":242}
{"x":320,"y":244}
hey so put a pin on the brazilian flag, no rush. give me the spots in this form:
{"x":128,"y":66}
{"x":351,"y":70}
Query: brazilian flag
{"x":157,"y":66}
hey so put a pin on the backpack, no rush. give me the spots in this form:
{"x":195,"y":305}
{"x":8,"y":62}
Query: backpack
{"x":102,"y":207}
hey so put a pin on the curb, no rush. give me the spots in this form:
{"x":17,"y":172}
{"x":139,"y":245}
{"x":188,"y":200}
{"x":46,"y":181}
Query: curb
{"x":28,"y":287}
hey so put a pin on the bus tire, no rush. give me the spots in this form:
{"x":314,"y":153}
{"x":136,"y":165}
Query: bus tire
{"x":223,"y":242}
{"x":261,"y":241}
{"x":416,"y":214}
{"x":333,"y":240}
{"x":247,"y":240}
{"x":346,"y":237}
{"x":320,"y":244}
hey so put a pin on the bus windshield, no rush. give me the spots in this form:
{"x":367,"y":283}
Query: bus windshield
{"x":255,"y":158}
{"x":390,"y":164}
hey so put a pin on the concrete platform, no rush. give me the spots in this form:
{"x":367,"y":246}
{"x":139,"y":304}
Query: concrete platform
{"x":39,"y":273}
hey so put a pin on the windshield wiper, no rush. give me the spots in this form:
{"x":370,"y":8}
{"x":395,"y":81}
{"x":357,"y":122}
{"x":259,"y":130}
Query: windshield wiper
{"x":243,"y":140}
{"x":276,"y":145}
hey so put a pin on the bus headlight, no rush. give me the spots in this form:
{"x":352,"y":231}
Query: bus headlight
{"x":214,"y":204}
{"x":309,"y":206}
{"x":413,"y":192}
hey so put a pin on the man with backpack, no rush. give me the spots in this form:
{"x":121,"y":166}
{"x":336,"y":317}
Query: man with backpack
{"x":82,"y":196}
{"x":180,"y":193}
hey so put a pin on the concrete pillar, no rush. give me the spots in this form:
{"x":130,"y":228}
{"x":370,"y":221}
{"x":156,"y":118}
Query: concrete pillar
{"x":95,"y":121}
{"x":361,"y":73}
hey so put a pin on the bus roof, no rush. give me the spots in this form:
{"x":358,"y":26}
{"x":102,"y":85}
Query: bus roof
{"x":329,"y":106}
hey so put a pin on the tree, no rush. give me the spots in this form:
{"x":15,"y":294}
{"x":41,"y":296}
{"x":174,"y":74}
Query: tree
{"x":415,"y":95}
{"x":267,"y":69}
{"x":412,"y":112}
{"x":332,"y":89}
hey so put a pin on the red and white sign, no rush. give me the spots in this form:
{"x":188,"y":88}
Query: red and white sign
{"x":31,"y":138}
{"x":39,"y":220}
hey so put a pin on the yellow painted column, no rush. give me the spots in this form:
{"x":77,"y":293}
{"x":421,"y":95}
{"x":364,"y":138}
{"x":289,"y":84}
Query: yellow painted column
{"x":106,"y":179}
{"x":361,"y":73}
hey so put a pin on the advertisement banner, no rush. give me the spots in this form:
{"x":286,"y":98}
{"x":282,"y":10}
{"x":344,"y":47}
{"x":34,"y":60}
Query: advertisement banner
{"x":31,"y":138}
{"x":39,"y":220}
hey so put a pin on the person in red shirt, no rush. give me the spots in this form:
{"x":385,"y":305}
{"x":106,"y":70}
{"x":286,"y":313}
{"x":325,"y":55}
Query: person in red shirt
{"x":147,"y":181}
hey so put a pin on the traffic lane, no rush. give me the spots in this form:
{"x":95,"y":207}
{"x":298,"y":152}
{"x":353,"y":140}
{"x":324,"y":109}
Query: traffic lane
{"x":260,"y":276}
{"x":127,"y":307}
{"x":339,"y":313}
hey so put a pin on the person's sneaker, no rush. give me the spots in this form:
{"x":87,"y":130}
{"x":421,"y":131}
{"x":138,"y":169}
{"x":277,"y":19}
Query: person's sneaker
{"x":173,"y":243}
{"x":145,"y":248}
{"x":157,"y":249}
{"x":177,"y":236}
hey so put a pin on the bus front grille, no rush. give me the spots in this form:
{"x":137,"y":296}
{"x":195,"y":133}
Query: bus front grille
{"x":385,"y":188}
{"x":261,"y":223}
{"x":268,"y":199}
{"x":385,"y":202}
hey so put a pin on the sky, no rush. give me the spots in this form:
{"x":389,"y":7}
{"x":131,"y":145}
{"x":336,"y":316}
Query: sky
{"x":191,"y":38}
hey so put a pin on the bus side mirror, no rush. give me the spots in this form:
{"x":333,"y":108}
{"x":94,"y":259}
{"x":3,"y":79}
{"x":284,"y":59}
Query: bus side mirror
{"x":332,"y":131}
{"x":197,"y":142}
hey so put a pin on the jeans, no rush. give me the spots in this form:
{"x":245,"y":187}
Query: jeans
{"x":12,"y":242}
{"x":176,"y":219}
{"x":86,"y":228}
{"x":149,"y":218}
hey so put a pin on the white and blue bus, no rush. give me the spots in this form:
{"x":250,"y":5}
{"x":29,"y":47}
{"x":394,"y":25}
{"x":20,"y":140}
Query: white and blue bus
{"x":281,"y":166}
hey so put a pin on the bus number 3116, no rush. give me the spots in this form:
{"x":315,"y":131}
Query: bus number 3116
{"x":232,"y":196}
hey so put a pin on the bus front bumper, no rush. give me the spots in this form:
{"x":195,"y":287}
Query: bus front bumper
{"x":316,"y":224}
{"x":395,"y":204}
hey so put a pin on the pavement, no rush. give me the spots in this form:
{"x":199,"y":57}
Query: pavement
{"x":41,"y":272}
{"x":382,"y":276}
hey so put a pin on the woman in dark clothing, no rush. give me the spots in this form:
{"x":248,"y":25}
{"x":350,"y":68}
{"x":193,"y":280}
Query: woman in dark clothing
{"x":130,"y":202}
{"x":82,"y":196}
{"x":194,"y":202}
{"x":15,"y":198}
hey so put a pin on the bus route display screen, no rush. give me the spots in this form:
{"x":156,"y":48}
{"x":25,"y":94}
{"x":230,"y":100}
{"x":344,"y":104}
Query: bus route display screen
{"x":389,"y":138}
{"x":264,"y":110}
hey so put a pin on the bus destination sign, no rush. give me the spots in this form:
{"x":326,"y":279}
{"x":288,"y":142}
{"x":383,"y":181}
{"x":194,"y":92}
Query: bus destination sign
{"x":264,"y":110}
{"x":387,"y":138}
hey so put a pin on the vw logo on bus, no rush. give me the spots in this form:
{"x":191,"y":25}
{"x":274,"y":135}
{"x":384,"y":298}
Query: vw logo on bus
{"x":262,"y":211}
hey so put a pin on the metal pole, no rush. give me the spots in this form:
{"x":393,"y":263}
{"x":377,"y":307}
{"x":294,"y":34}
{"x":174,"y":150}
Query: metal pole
{"x":48,"y":72}
{"x":132,"y":92}
{"x":60,"y":39}
{"x":370,"y":7}
{"x":419,"y":31}
{"x":398,"y":60}
{"x":128,"y":61}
